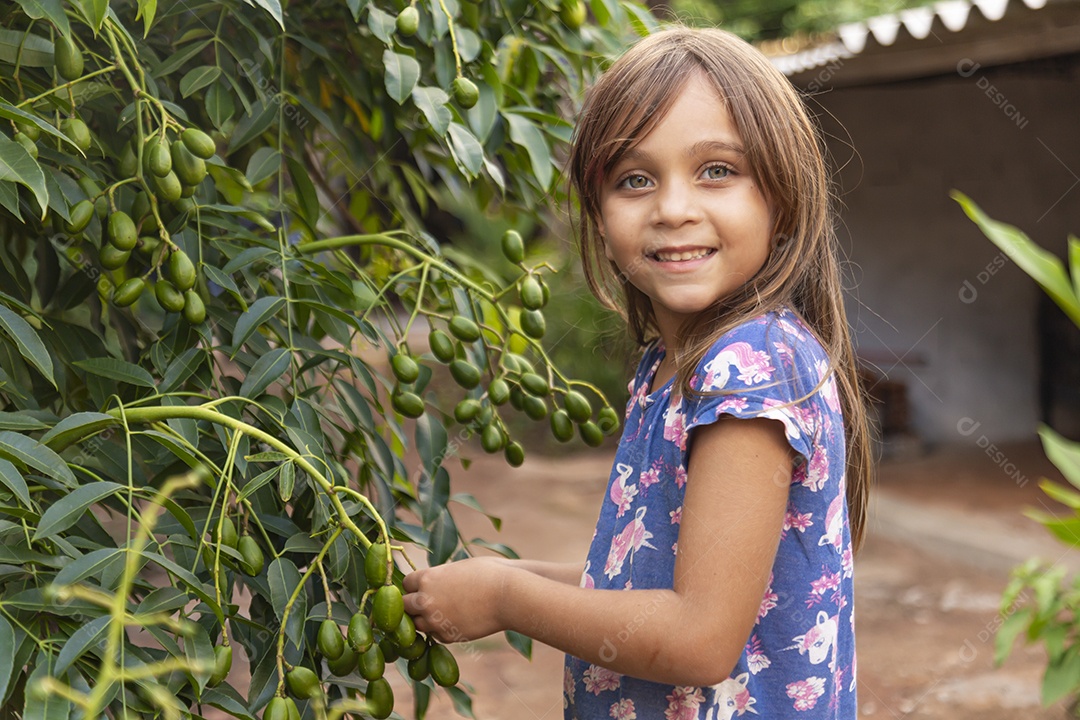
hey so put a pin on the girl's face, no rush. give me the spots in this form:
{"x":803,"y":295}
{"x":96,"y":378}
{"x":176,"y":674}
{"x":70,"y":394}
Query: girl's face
{"x":681,"y":214}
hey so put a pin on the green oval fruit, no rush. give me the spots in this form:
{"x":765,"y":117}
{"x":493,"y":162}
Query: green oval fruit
{"x":181,"y":270}
{"x":577,"y":406}
{"x":414,"y":650}
{"x":408,"y":22}
{"x":186,"y":192}
{"x":80,"y":215}
{"x":228,"y":533}
{"x":442,"y":347}
{"x":190,"y":168}
{"x":517,"y":398}
{"x":32,"y":131}
{"x":113,"y":258}
{"x":290,"y":706}
{"x":515,"y":454}
{"x":464,"y":329}
{"x":544,"y":288}
{"x":465,"y":92}
{"x":444,"y":668}
{"x":371,"y":663}
{"x":345,"y":663}
{"x":380,"y":699}
{"x":198,"y":143}
{"x":591,"y":433}
{"x":572,"y":13}
{"x":140,"y":207}
{"x":533,"y":324}
{"x":122,"y":233}
{"x":387,"y":608}
{"x":29,"y":145}
{"x":562,"y":427}
{"x":329,"y":640}
{"x":194,"y":307}
{"x":408,"y":404}
{"x":405,"y":632}
{"x":491,"y":439}
{"x":222,"y":665}
{"x":534,"y":407}
{"x":389,"y":649}
{"x":499,"y":391}
{"x":76,"y":129}
{"x":68,"y":57}
{"x":159,"y":160}
{"x":375,"y":568}
{"x":513,"y":247}
{"x":532,"y":297}
{"x":169,"y":187}
{"x":168,"y":296}
{"x":128,"y":292}
{"x":359,"y":633}
{"x":419,"y":668}
{"x":608,"y":420}
{"x":405,"y":368}
{"x":535,"y":384}
{"x":251,"y":554}
{"x":465,"y":373}
{"x":467,"y":410}
{"x":303,"y":682}
{"x":129,"y":163}
{"x":147,"y":245}
{"x":276,"y":709}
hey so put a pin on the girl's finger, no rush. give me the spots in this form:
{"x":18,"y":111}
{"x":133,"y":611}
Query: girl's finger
{"x":411,"y":582}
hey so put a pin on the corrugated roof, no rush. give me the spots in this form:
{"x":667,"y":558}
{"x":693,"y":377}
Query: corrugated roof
{"x":902,"y":28}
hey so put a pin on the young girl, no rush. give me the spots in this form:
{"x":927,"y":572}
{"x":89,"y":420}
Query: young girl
{"x":719,"y":581}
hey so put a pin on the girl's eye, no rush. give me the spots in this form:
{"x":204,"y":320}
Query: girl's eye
{"x":717,"y":172}
{"x":635,"y":182}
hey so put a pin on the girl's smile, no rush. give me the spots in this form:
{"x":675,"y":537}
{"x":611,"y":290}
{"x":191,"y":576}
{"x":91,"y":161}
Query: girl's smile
{"x":681,"y":213}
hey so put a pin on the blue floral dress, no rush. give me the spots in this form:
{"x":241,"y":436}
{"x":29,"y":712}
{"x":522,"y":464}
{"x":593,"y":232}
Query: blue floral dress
{"x":799,"y":660}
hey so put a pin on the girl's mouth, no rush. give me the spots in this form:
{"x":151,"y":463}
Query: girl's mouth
{"x":682,"y":255}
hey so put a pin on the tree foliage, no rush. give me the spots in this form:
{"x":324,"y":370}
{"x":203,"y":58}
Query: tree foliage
{"x":235,"y":350}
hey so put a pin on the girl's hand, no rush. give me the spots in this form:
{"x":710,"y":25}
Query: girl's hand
{"x":457,"y":601}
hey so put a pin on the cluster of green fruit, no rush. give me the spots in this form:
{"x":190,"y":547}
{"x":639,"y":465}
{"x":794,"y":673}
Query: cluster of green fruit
{"x":250,"y":556}
{"x":464,"y":90}
{"x":69,"y":66}
{"x":370,"y":642}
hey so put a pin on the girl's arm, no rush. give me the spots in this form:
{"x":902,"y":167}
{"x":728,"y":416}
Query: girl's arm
{"x":566,"y":573}
{"x":693,"y":634}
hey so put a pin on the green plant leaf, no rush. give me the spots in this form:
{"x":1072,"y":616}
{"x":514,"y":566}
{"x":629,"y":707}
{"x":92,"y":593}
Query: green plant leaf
{"x":264,"y":163}
{"x":1062,"y":494}
{"x":262,"y":116}
{"x":79,"y":642}
{"x":33,"y":454}
{"x":1062,"y":678}
{"x":306,"y":197}
{"x":267,"y":370}
{"x":29,"y":49}
{"x":28,"y":342}
{"x":118,"y":370}
{"x":89,"y":564}
{"x":274,"y":8}
{"x":7,"y":656}
{"x":147,"y":11}
{"x":284,"y":579}
{"x":432,"y":102}
{"x":13,"y":480}
{"x":1006,"y":636}
{"x":466,"y":149}
{"x":444,"y":539}
{"x":381,"y":24}
{"x":524,"y":132}
{"x":402,"y":73}
{"x":51,"y":706}
{"x":76,"y":427}
{"x":521,"y":643}
{"x":260,"y":311}
{"x":53,"y":11}
{"x":1065,"y":454}
{"x":68,"y":509}
{"x":198,"y":78}
{"x":1043,"y":266}
{"x":95,"y":10}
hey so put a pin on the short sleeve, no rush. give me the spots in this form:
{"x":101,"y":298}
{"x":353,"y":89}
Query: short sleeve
{"x":769,"y":367}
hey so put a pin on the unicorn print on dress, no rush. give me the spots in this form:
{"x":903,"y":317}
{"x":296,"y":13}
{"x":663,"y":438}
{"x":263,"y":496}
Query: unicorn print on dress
{"x":633,"y":537}
{"x":818,"y":641}
{"x":731,"y":697}
{"x":622,"y":494}
{"x":834,"y":524}
{"x":753,"y":366}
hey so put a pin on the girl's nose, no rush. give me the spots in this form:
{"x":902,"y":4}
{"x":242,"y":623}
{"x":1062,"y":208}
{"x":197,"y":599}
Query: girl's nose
{"x":676,"y":204}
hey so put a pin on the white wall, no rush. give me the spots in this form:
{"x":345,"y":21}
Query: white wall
{"x":912,"y":248}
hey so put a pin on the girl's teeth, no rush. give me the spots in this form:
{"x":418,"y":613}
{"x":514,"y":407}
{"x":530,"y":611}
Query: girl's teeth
{"x":681,"y":256}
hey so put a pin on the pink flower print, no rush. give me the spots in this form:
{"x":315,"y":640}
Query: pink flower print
{"x":828,"y":581}
{"x":846,"y":564}
{"x":623,"y":710}
{"x":632,"y":537}
{"x":567,"y":688}
{"x":776,"y":410}
{"x":795,"y":519}
{"x":817,"y":472}
{"x":806,"y":692}
{"x":753,"y":366}
{"x":675,"y":548}
{"x":683,"y":703}
{"x":768,"y":602}
{"x":650,"y":476}
{"x":756,"y":659}
{"x":828,"y":390}
{"x":675,"y":426}
{"x":676,"y":515}
{"x":785,"y":352}
{"x":680,"y":477}
{"x":733,"y":405}
{"x":598,"y":679}
{"x":622,"y":494}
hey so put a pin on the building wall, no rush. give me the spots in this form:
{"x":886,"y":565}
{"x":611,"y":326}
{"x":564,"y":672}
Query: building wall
{"x":934,"y":304}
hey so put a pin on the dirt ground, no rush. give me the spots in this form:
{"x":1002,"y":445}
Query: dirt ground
{"x":925,"y":617}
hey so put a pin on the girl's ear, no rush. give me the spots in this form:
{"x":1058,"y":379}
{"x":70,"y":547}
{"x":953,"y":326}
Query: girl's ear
{"x":603,"y":237}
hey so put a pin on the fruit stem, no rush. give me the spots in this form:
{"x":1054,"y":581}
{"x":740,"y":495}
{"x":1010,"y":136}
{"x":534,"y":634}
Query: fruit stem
{"x":453,"y":36}
{"x":419,"y":301}
{"x":68,"y":84}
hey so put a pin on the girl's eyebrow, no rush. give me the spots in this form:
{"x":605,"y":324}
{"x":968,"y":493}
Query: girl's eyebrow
{"x":702,"y":147}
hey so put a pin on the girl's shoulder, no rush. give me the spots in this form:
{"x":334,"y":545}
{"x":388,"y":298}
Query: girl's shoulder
{"x":776,"y":335}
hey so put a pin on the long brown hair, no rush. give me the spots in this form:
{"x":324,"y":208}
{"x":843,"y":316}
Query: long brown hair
{"x":786,"y":156}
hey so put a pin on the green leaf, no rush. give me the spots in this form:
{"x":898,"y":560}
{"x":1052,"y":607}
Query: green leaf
{"x":262,"y":116}
{"x":1063,"y":677}
{"x":274,"y":8}
{"x":263,"y":164}
{"x":1010,"y":628}
{"x":307,"y":199}
{"x":525,"y":133}
{"x":1074,"y":263}
{"x":198,"y":78}
{"x":381,"y":24}
{"x":51,"y":706}
{"x":402,"y":73}
{"x":260,"y":311}
{"x":53,"y":11}
{"x":287,"y":481}
{"x":28,"y":342}
{"x":76,"y":427}
{"x":267,"y":370}
{"x":17,"y":166}
{"x":1062,"y":494}
{"x":79,"y":642}
{"x":29,"y":49}
{"x":225,"y":698}
{"x":33,"y":454}
{"x":444,"y":539}
{"x":118,"y":370}
{"x":521,"y":643}
{"x":431,"y":442}
{"x":462,"y":701}
{"x":7,"y":656}
{"x":1043,"y":266}
{"x":466,"y":149}
{"x":95,"y":10}
{"x":147,"y":11}
{"x":1065,"y":454}
{"x":257,"y":482}
{"x":13,"y":480}
{"x":67,"y":511}
{"x":284,"y":579}
{"x":89,"y":564}
{"x":432,"y":102}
